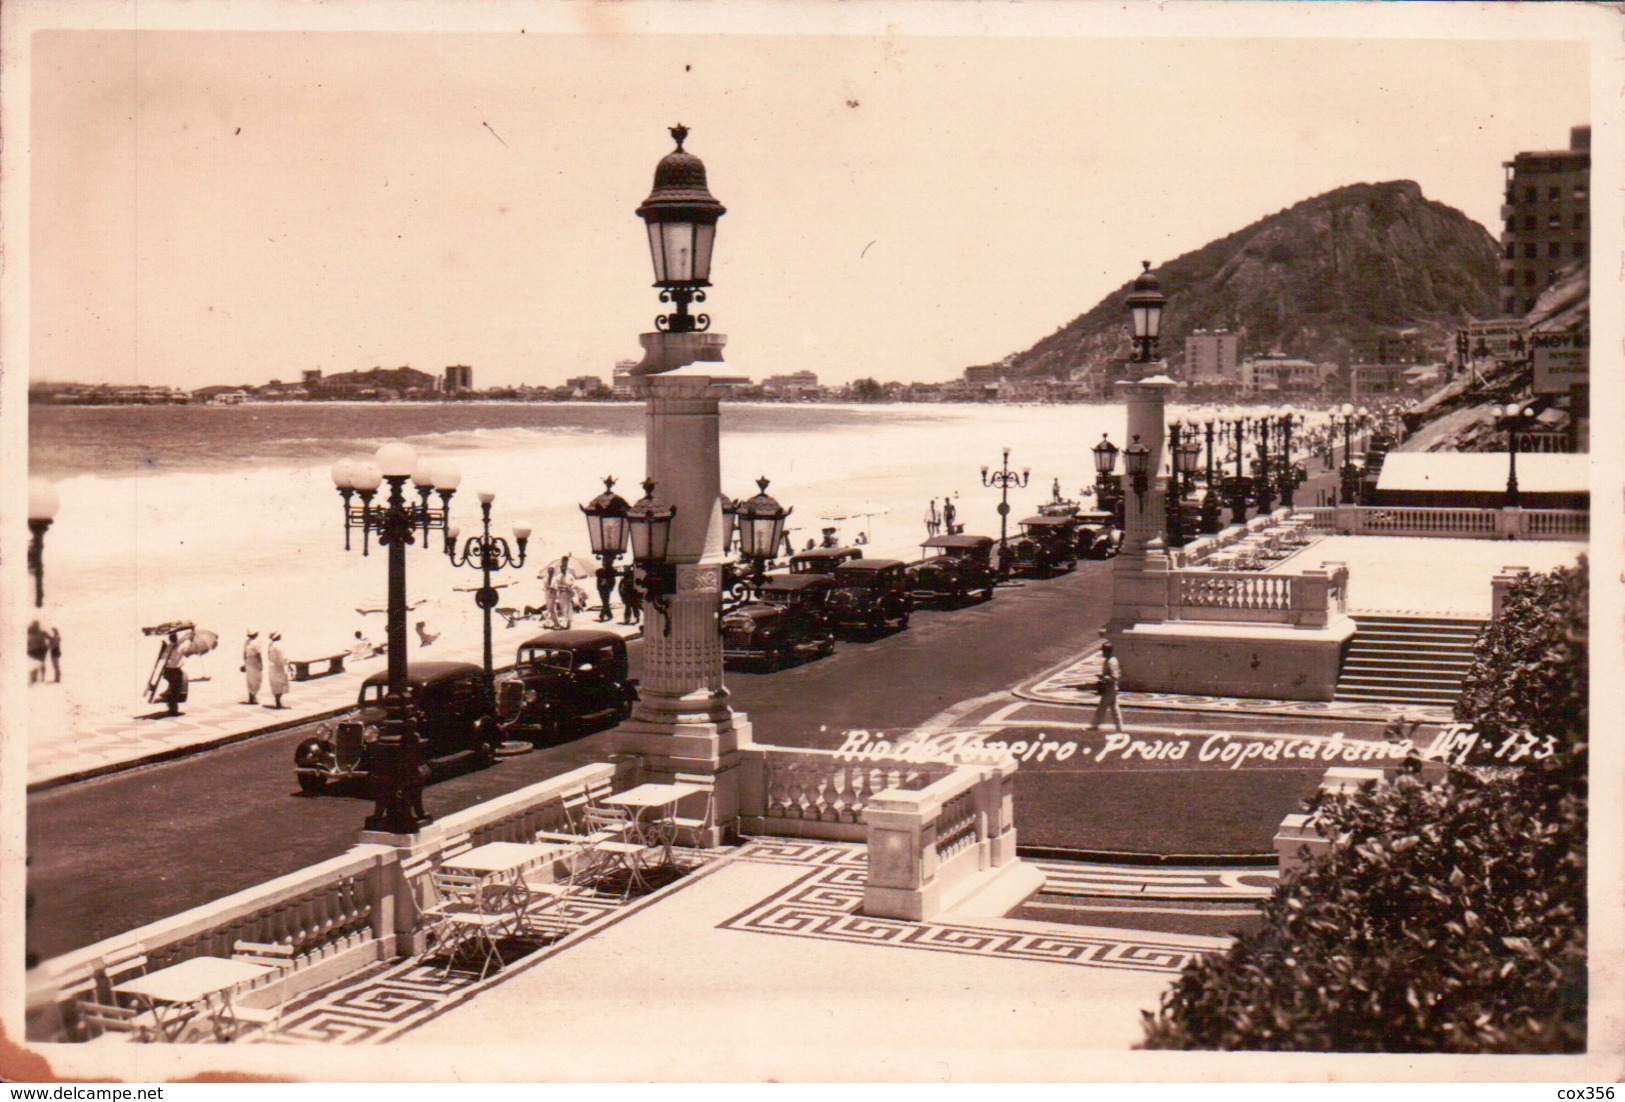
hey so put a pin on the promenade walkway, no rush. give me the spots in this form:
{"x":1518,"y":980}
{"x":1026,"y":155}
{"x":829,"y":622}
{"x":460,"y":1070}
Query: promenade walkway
{"x":69,"y":740}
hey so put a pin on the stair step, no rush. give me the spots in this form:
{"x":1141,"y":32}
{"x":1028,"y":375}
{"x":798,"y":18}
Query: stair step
{"x":1358,"y":675}
{"x":1373,"y":696}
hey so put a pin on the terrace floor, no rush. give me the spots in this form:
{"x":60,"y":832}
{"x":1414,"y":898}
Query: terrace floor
{"x":1430,"y":577}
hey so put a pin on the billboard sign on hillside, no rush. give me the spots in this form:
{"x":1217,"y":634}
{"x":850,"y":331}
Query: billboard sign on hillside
{"x":1561,"y":360}
{"x":1498,"y":339}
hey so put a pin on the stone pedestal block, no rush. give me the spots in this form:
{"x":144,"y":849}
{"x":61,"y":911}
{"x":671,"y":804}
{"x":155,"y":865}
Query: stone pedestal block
{"x":1244,"y":660}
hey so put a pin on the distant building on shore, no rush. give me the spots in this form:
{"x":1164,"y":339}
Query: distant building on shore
{"x":1212,"y":356}
{"x":1547,"y":224}
{"x":797,"y":384}
{"x":1277,"y":372}
{"x":586,"y":386}
{"x":621,"y":379}
{"x":459,"y":377}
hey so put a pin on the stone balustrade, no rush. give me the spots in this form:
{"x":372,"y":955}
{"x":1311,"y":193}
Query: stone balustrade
{"x":820,"y":793}
{"x":927,"y":845}
{"x":1451,"y":523}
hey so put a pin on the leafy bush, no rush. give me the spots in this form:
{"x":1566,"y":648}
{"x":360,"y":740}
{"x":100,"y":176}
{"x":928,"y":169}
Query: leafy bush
{"x":1444,"y":919}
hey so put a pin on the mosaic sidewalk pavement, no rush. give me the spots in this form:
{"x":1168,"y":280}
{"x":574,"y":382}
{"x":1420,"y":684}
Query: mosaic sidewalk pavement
{"x":1074,"y":684}
{"x":824,"y":905}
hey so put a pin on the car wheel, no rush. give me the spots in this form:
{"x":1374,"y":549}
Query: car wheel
{"x":312,"y":784}
{"x":829,"y":641}
{"x":902,"y":621}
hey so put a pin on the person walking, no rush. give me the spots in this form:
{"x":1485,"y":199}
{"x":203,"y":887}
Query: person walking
{"x":631,"y":597}
{"x":948,"y":515}
{"x":606,"y":590}
{"x":933,"y":519}
{"x":174,"y":674}
{"x":39,"y":646}
{"x":1111,"y":675}
{"x":56,"y":653}
{"x":276,"y":669}
{"x":253,"y":666}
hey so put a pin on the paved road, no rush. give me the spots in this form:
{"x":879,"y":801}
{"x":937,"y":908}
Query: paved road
{"x":117,"y":852}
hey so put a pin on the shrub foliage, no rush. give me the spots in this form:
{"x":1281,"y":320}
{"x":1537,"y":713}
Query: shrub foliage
{"x":1443,"y":919}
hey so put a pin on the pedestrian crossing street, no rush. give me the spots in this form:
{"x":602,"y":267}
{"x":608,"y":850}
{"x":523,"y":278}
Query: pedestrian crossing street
{"x":1149,"y":882}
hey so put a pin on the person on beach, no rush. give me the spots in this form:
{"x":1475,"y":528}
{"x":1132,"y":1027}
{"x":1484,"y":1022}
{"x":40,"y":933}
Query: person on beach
{"x":362,"y":647}
{"x":277,"y":669}
{"x":606,"y":590}
{"x":933,"y":519}
{"x":174,"y":674}
{"x":56,"y":654}
{"x":1111,"y":675}
{"x":253,"y":667}
{"x":39,"y":646}
{"x":631,"y":597}
{"x":948,"y":515}
{"x":829,"y":539}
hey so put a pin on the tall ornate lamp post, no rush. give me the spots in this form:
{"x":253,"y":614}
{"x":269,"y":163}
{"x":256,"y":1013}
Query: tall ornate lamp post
{"x":486,"y":554}
{"x":1265,"y":499}
{"x":42,"y":506}
{"x":761,"y":528}
{"x":1212,"y":520}
{"x":397,"y":782}
{"x":681,"y":217}
{"x":1513,"y":418}
{"x":1185,"y":458}
{"x":1350,"y":481}
{"x":1002,"y":480}
{"x":606,"y":529}
{"x":1289,"y":480}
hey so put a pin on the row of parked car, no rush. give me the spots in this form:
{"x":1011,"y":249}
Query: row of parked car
{"x":834,"y":590}
{"x":565,"y":684}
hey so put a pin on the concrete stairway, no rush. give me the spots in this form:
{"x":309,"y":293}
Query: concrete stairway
{"x":1407,"y":660}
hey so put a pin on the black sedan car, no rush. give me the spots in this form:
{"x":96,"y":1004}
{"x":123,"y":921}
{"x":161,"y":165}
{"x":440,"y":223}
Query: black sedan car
{"x":1047,"y":545}
{"x":871,"y":594}
{"x":564,"y":684}
{"x":955,"y":567}
{"x":454,"y":712}
{"x":788,"y":618}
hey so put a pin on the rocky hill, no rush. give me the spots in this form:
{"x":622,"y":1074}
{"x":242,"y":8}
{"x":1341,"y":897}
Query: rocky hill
{"x":1357,"y":262}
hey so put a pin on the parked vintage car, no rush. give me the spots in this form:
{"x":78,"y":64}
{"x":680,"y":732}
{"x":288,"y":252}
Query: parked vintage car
{"x":1047,"y":545}
{"x":789,"y":617}
{"x":1098,"y":536}
{"x":563,"y":684}
{"x":871,"y":593}
{"x":822,"y":560}
{"x":953,"y":568}
{"x":455,"y":715}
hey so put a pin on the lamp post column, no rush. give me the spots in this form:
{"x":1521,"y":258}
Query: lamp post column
{"x":397,"y":789}
{"x":682,"y":722}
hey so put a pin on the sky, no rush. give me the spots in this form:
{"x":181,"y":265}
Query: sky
{"x":232,"y":206}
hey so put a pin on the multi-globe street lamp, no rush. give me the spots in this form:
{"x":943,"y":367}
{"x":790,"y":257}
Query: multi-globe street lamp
{"x":1185,"y":457}
{"x":398,"y":779}
{"x":1003,"y":480}
{"x":487,"y":553}
{"x":1212,"y":520}
{"x":1289,"y":420}
{"x":1514,"y":418}
{"x":1239,"y":487}
{"x":42,"y":506}
{"x":607,"y":534}
{"x":760,"y":522}
{"x":1265,"y":500}
{"x":1350,"y":419}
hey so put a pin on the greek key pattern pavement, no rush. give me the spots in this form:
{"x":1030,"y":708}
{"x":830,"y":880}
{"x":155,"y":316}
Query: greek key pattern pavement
{"x":394,"y":997}
{"x":1075,"y":685}
{"x":824,"y":905}
{"x":1196,"y":884}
